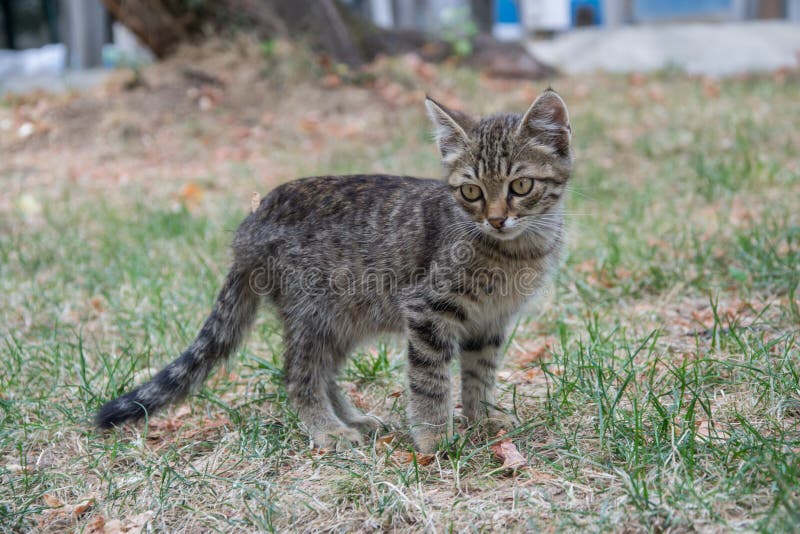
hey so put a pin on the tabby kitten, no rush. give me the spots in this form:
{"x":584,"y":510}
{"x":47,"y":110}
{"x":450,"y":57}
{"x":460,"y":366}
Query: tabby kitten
{"x":450,"y":263}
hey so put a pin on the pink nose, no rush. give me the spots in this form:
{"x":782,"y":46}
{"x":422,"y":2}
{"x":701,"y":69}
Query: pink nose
{"x":497,"y":222}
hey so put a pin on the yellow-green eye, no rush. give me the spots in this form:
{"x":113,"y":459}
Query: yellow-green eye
{"x":521,"y":186}
{"x":471,"y":192}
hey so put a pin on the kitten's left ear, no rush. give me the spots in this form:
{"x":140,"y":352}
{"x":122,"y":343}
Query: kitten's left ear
{"x":452,"y":129}
{"x":547,"y":123}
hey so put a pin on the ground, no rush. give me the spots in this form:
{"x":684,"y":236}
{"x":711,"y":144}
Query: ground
{"x":656,"y":383}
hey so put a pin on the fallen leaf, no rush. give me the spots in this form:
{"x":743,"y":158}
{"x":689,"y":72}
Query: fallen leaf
{"x":506,"y":451}
{"x":97,"y":304}
{"x":114,"y":526}
{"x":331,"y":81}
{"x":52,"y":501}
{"x":386,"y":440}
{"x":82,"y":507}
{"x":207,"y":426}
{"x":57,"y":509}
{"x":530,"y":351}
{"x":531,"y":374}
{"x":96,"y":525}
{"x":309,"y":124}
{"x":134,"y":525}
{"x":405,"y":458}
{"x":190,"y":194}
{"x":255,"y":202}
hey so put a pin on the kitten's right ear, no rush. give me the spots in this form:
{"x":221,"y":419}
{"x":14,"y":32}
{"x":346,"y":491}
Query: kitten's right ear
{"x":452,"y":130}
{"x":547,"y":123}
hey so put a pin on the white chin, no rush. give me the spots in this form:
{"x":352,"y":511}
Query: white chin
{"x":507,"y":235}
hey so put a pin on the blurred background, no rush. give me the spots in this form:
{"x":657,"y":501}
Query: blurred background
{"x":46,"y":38}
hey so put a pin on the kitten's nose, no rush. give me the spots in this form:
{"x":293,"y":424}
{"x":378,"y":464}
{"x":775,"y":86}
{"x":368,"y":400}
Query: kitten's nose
{"x":497,"y":222}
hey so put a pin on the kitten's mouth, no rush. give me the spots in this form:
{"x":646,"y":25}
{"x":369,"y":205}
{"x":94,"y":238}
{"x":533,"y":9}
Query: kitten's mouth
{"x":506,"y":235}
{"x":503,"y":234}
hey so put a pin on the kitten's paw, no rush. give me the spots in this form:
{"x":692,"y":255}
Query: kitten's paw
{"x":367,"y":424}
{"x":427,"y":440}
{"x":498,"y":421}
{"x":340,"y":438}
{"x":493,"y":421}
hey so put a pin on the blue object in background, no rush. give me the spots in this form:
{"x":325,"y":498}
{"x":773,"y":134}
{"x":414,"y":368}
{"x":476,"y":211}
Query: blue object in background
{"x":586,"y":12}
{"x":667,"y":9}
{"x":506,"y":12}
{"x":507,"y":21}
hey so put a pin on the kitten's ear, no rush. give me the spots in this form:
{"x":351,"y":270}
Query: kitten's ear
{"x":452,"y":129}
{"x":547,"y":123}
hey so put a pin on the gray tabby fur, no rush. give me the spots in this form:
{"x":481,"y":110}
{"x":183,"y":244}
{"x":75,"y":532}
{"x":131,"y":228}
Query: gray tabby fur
{"x":345,"y":259}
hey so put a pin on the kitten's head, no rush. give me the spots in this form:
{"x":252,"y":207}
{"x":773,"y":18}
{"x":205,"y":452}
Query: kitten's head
{"x":506,"y":171}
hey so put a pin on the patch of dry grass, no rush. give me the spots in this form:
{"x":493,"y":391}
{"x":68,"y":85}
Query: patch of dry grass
{"x":657,"y":385}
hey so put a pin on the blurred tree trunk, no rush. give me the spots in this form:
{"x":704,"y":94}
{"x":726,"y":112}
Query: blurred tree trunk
{"x":326,"y":25}
{"x":482,"y":14}
{"x":162,"y":24}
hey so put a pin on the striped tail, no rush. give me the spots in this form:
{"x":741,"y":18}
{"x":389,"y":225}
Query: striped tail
{"x":222,"y":332}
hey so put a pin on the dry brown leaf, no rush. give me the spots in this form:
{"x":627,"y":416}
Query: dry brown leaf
{"x":58,"y":509}
{"x":405,"y":458}
{"x":134,"y":525}
{"x":531,"y":374}
{"x":82,"y":507}
{"x":255,"y":202}
{"x":331,"y":81}
{"x":506,"y":451}
{"x":52,"y":501}
{"x":534,"y":350}
{"x":208,"y":426}
{"x":96,"y":525}
{"x":97,"y":304}
{"x":309,"y":125}
{"x":190,"y":193}
{"x":387,"y":439}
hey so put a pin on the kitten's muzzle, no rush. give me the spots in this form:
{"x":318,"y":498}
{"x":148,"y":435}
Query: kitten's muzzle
{"x":497,"y":222}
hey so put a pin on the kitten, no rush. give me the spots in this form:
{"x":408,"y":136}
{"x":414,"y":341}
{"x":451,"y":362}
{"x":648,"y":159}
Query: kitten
{"x":450,"y":263}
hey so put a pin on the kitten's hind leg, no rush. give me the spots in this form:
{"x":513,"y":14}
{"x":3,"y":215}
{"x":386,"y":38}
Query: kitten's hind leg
{"x":308,"y":371}
{"x":348,"y":413}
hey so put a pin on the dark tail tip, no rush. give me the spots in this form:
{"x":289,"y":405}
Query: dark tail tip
{"x":120,"y":410}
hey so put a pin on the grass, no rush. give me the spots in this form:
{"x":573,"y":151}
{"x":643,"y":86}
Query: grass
{"x":656,"y":386}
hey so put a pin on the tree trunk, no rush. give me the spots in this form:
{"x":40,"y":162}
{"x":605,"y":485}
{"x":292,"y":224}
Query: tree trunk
{"x":326,"y":25}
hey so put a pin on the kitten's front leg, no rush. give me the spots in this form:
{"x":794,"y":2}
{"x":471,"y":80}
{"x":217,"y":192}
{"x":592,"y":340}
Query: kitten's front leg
{"x":480,"y":358}
{"x":430,"y":351}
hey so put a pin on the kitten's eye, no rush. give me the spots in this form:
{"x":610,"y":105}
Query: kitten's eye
{"x":522,"y":186}
{"x":471,"y":192}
